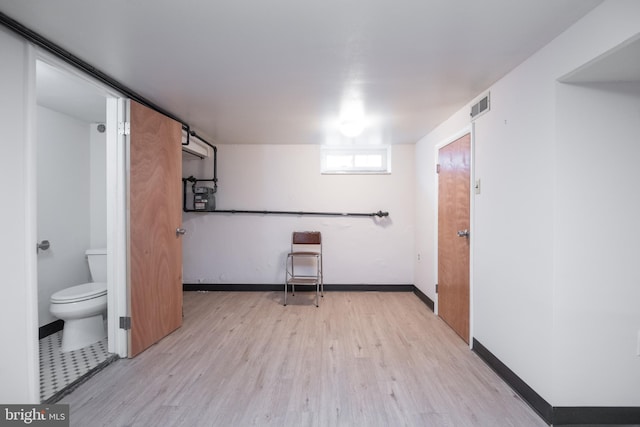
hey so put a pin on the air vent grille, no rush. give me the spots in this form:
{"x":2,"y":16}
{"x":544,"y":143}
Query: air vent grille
{"x":480,"y":107}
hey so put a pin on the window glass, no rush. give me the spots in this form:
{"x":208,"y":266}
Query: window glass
{"x":356,"y":160}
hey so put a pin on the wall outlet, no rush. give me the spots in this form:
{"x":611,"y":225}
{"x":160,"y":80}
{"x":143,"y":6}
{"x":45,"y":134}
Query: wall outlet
{"x":418,"y":257}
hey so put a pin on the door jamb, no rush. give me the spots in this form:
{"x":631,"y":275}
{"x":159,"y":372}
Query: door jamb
{"x":117,"y":226}
{"x":116,"y":247}
{"x":470,"y":129}
{"x":31,"y":223}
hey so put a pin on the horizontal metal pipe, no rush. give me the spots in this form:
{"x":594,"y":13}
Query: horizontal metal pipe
{"x":57,"y":50}
{"x":71,"y":59}
{"x":379,"y":214}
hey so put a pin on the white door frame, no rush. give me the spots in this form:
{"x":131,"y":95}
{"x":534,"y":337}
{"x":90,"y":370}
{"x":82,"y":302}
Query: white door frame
{"x":31,"y":223}
{"x":116,"y":179}
{"x":116,"y":227}
{"x":446,"y":141}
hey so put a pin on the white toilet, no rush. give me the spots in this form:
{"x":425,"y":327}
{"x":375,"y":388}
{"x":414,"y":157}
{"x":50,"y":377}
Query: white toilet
{"x":83,"y":307}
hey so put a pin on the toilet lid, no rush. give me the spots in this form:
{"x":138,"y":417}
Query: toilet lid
{"x":80,"y":292}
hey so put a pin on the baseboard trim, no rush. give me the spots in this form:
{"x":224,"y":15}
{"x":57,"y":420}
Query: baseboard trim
{"x":541,"y":406}
{"x":50,"y":328}
{"x":237,"y":287}
{"x":424,"y":298}
{"x":252,"y":287}
{"x":558,"y":415}
{"x":596,"y":415}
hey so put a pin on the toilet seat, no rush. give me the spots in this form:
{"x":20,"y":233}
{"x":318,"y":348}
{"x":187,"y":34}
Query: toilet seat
{"x":78,"y":293}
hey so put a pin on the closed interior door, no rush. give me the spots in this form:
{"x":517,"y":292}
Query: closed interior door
{"x":155,"y":248}
{"x":453,"y":234}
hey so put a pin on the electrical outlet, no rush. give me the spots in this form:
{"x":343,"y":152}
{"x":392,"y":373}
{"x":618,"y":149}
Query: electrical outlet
{"x":418,"y":257}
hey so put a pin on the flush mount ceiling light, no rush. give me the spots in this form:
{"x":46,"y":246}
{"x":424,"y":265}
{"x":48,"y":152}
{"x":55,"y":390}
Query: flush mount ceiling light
{"x":351,"y":127}
{"x":351,"y":123}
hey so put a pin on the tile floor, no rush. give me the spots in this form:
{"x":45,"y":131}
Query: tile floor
{"x":60,"y":372}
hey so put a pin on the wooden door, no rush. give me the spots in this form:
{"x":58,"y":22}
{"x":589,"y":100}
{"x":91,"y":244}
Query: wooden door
{"x":155,"y":248}
{"x":454,"y":164}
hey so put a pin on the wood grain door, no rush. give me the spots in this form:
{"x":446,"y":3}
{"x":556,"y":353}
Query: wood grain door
{"x":155,"y":248}
{"x":454,"y":164}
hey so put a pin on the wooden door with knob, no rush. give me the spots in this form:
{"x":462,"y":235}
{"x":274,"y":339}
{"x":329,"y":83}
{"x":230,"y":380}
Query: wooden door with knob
{"x":454,"y":185}
{"x":154,"y":224}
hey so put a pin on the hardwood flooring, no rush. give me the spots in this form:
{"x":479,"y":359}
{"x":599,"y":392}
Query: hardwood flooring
{"x":360,"y":359}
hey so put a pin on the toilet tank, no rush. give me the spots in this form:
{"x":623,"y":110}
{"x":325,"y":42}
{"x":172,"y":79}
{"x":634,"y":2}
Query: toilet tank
{"x":97,"y":264}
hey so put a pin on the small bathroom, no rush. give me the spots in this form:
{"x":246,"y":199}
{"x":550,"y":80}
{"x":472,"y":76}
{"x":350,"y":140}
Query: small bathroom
{"x":71,"y":224}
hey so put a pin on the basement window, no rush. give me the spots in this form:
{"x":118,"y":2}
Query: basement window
{"x":356,"y":160}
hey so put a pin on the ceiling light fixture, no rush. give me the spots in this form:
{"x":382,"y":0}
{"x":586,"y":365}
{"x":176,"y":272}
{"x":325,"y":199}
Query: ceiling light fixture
{"x":351,"y":127}
{"x":351,"y":122}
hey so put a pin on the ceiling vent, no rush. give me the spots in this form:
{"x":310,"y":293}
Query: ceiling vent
{"x":480,"y":107}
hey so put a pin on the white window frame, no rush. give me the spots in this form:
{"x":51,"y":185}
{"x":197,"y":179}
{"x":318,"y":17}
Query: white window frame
{"x":351,"y":154}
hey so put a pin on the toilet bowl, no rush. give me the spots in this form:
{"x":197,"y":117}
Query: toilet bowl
{"x":83,"y":307}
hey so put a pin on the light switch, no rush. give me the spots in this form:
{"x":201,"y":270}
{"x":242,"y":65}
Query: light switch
{"x":477,"y":186}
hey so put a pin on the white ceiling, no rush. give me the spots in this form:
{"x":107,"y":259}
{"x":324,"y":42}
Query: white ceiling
{"x":280,"y":71}
{"x":66,"y":93}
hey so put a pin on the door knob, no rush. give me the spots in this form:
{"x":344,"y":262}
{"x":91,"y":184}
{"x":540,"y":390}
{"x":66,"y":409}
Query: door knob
{"x":43,"y":246}
{"x":463,"y":233}
{"x":180,"y":231}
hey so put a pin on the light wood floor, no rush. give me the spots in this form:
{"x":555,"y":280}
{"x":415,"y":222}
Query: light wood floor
{"x":360,"y":359}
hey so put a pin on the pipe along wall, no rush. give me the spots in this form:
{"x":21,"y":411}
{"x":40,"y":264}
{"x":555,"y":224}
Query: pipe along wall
{"x":75,"y":61}
{"x":204,"y":197}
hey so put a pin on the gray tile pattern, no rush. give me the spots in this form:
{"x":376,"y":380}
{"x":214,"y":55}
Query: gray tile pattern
{"x":60,"y":370}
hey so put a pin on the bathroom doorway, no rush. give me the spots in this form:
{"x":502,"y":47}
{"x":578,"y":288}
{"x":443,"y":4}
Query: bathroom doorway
{"x":71,"y":144}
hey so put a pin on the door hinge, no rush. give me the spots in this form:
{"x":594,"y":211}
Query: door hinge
{"x":438,"y":168}
{"x":124,"y":128}
{"x":436,"y":288}
{"x":125,"y":323}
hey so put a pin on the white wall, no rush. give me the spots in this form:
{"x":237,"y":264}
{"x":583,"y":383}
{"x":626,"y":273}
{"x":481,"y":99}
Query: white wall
{"x":63,"y":204}
{"x":97,"y":187}
{"x":518,"y":314}
{"x":18,"y":313}
{"x":597,"y":292}
{"x":425,"y":268}
{"x":226,"y":248}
